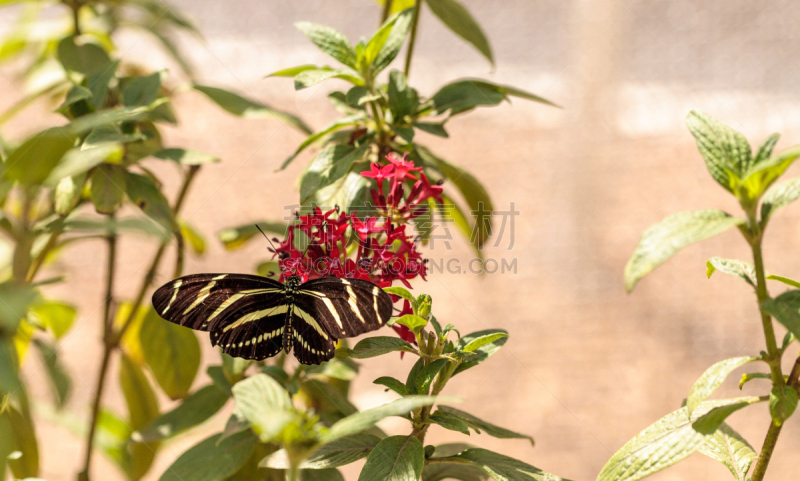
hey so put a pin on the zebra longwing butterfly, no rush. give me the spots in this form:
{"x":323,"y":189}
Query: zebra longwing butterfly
{"x":255,"y":317}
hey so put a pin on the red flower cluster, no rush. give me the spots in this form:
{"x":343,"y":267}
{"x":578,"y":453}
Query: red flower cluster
{"x":385,"y":252}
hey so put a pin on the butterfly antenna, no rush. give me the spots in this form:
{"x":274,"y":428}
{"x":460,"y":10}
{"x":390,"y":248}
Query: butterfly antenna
{"x":265,"y":236}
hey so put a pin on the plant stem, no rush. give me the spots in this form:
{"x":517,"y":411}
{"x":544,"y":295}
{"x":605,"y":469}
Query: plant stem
{"x":755,"y":236}
{"x":112,"y":339}
{"x":766,"y":320}
{"x":387,"y":7}
{"x":413,"y":36}
{"x":22,"y":253}
{"x":108,"y":346}
{"x":773,"y":432}
{"x":75,"y":6}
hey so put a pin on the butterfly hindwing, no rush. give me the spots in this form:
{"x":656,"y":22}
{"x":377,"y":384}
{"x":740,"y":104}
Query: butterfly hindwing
{"x":255,"y":335}
{"x":206,"y":302}
{"x":345,"y":307}
{"x":311,"y":342}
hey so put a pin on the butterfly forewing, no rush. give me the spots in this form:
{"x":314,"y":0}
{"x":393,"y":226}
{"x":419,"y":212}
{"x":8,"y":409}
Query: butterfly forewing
{"x":345,"y":307}
{"x":205,"y":302}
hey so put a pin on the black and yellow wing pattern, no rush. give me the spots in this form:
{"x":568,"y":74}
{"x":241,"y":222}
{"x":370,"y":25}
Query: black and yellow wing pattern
{"x":254,"y":317}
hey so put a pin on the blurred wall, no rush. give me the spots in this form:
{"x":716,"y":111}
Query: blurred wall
{"x":587,"y":366}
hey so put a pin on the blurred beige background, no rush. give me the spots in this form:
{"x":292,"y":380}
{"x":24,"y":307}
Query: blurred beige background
{"x":587,"y":366}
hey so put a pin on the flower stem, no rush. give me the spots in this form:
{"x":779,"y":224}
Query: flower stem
{"x":412,"y":36}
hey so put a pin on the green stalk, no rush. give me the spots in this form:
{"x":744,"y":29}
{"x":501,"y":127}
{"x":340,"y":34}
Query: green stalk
{"x":413,"y":36}
{"x":754,"y":235}
{"x":387,"y":7}
{"x":108,"y":346}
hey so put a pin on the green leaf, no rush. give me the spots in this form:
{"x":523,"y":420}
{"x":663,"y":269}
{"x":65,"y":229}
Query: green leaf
{"x":292,"y":71}
{"x":448,"y":422}
{"x":436,"y":129}
{"x":80,"y":160}
{"x":68,"y":193}
{"x":361,"y":421}
{"x":24,"y":443}
{"x":341,"y":452}
{"x":172,"y":353}
{"x":6,"y":439}
{"x":451,"y":212}
{"x":785,"y":280}
{"x":186,"y":156}
{"x":330,"y":474}
{"x":194,"y":410}
{"x":731,"y":449}
{"x":86,"y":59}
{"x":341,"y":369}
{"x":424,"y":378}
{"x":765,"y":149}
{"x":483,"y":352}
{"x":712,"y":379}
{"x":331,"y":164}
{"x":384,"y":46}
{"x":57,"y":374}
{"x":265,"y":403}
{"x":395,"y":458}
{"x":779,"y":196}
{"x":670,"y":440}
{"x":661,"y":241}
{"x":782,"y":403}
{"x":148,"y":197}
{"x":57,"y":317}
{"x":98,"y":84}
{"x":349,"y":192}
{"x":480,"y":425}
{"x":31,"y":163}
{"x":196,"y":241}
{"x":330,"y":41}
{"x":402,"y":292}
{"x":786,"y":310}
{"x":140,"y":91}
{"x":74,"y":95}
{"x":108,"y":117}
{"x":462,"y":472}
{"x":328,"y":129}
{"x":139,"y":395}
{"x":725,"y":151}
{"x":476,"y":343}
{"x":393,"y":384}
{"x":464,"y":95}
{"x":271,"y":269}
{"x":108,"y":134}
{"x":108,"y":188}
{"x":736,"y":268}
{"x":380,"y":345}
{"x":309,"y":78}
{"x":234,"y":367}
{"x":761,"y":176}
{"x":212,"y":459}
{"x":249,"y":109}
{"x":753,"y":375}
{"x":15,"y":300}
{"x":236,"y":237}
{"x":499,"y":467}
{"x":412,"y":321}
{"x":402,"y":98}
{"x":471,"y":189}
{"x":460,"y":22}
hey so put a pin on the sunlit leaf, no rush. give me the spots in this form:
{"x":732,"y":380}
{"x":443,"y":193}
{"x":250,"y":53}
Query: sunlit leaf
{"x":393,"y":459}
{"x":712,"y":379}
{"x":195,"y":409}
{"x":212,"y":459}
{"x":736,"y":268}
{"x":249,"y":109}
{"x":500,"y":467}
{"x":731,"y":449}
{"x":172,"y":353}
{"x":460,"y":22}
{"x":330,"y":41}
{"x":661,"y":241}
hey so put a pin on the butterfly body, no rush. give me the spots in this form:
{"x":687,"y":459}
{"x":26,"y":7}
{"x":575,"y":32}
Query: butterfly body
{"x":256,"y":317}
